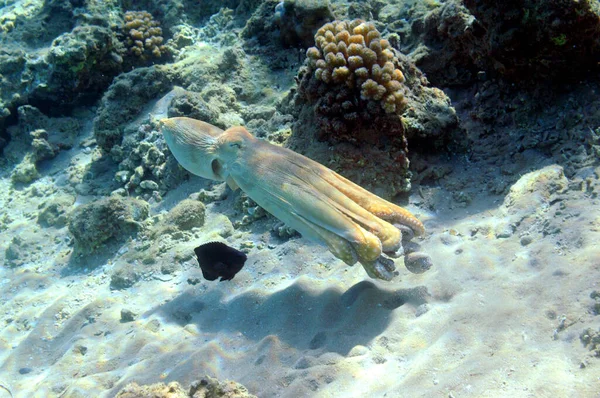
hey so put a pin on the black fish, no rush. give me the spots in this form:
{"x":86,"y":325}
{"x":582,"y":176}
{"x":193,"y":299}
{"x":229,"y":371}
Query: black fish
{"x":216,"y":259}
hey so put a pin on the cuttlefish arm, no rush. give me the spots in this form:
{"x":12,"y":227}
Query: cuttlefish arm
{"x":355,"y":224}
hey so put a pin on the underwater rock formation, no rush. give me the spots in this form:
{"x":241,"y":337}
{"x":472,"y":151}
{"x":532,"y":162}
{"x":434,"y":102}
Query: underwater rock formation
{"x":186,"y":215}
{"x":518,"y":40}
{"x":108,"y":218}
{"x":143,"y":37}
{"x":123,"y":100}
{"x":298,"y":20}
{"x":563,"y":37}
{"x":76,"y":68}
{"x":36,"y":138}
{"x":55,"y":211}
{"x":55,"y":55}
{"x":367,"y":103}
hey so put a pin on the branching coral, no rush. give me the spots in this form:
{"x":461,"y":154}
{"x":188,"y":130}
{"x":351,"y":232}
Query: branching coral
{"x":353,"y":53}
{"x":144,"y":35}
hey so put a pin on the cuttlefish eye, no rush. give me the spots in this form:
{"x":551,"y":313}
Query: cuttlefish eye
{"x":237,"y":145}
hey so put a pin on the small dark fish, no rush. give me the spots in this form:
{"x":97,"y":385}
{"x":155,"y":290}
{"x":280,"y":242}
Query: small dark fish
{"x":216,"y":259}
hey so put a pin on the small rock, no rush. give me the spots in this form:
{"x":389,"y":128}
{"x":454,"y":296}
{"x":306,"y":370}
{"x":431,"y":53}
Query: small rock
{"x":422,"y":309}
{"x":24,"y":371}
{"x":153,"y":325}
{"x":407,"y":233}
{"x":149,"y":184}
{"x":194,"y":281}
{"x":503,"y":232}
{"x":526,"y":240}
{"x":357,"y":351}
{"x":417,"y":262}
{"x":127,"y":315}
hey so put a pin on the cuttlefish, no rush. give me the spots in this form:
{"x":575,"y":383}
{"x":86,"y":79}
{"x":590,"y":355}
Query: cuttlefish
{"x":355,"y":224}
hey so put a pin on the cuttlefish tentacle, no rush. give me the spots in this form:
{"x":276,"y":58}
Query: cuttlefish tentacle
{"x":305,"y":198}
{"x":353,"y":223}
{"x":302,"y":172}
{"x":379,"y":207}
{"x":359,"y":218}
{"x":337,"y":245}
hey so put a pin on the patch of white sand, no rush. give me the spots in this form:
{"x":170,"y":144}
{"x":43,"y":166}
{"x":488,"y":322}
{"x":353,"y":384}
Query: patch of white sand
{"x":504,"y":314}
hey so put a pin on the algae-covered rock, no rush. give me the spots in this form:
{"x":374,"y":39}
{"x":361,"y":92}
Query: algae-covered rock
{"x":159,"y":390}
{"x":76,"y":68}
{"x":186,"y":215}
{"x":83,"y":62}
{"x":55,"y":211}
{"x":124,"y":276}
{"x":128,"y":94}
{"x":16,"y":252}
{"x":529,"y":202}
{"x":534,"y":191}
{"x":524,"y":40}
{"x":25,"y":172}
{"x":561,"y":37}
{"x":109,"y":218}
{"x":36,"y":138}
{"x":299,"y":20}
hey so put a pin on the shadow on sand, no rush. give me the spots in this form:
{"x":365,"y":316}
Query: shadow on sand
{"x":299,"y":315}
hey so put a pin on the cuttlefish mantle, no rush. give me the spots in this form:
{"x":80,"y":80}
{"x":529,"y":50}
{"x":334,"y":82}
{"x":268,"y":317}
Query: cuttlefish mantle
{"x":355,"y":225}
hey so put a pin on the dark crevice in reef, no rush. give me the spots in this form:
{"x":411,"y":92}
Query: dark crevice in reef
{"x":4,"y":136}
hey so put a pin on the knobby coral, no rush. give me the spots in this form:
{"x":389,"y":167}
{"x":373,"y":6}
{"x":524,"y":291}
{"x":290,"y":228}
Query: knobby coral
{"x":143,"y":35}
{"x":353,"y":53}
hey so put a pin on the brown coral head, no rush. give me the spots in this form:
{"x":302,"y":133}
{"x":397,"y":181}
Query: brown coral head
{"x":354,"y":53}
{"x":143,"y":35}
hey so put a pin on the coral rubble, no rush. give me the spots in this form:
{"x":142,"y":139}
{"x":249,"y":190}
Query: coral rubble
{"x":207,"y":387}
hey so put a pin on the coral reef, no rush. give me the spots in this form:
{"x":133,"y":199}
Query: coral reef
{"x":82,"y":63}
{"x":367,"y":103}
{"x":353,"y":53}
{"x":143,"y":36}
{"x":108,"y":218}
{"x":36,"y":138}
{"x":298,"y":20}
{"x":207,"y":387}
{"x":462,"y":40}
{"x":562,"y":37}
{"x":144,"y":167}
{"x":262,"y":26}
{"x":74,"y":71}
{"x":123,"y":100}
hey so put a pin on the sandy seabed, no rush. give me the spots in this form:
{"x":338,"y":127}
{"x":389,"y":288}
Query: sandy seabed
{"x":501,"y":313}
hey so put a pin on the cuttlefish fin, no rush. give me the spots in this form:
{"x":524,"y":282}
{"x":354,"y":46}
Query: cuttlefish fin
{"x":232,"y":184}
